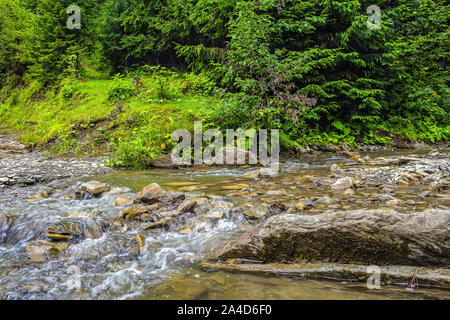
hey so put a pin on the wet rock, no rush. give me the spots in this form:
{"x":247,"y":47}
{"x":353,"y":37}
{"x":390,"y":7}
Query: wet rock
{"x":326,"y":200}
{"x":131,"y":212}
{"x":153,"y":193}
{"x":434,"y":153}
{"x":215,"y":214}
{"x":386,"y":197}
{"x":123,"y":200}
{"x":277,"y":206}
{"x":335,"y":168}
{"x":436,"y":185}
{"x":393,"y":203}
{"x":163,"y":162}
{"x":185,"y":230}
{"x":342,"y":184}
{"x":424,"y":194}
{"x":349,"y":192}
{"x":236,"y":186}
{"x":243,"y":193}
{"x":145,"y":217}
{"x":439,"y":277}
{"x":39,"y":251}
{"x":141,"y":241}
{"x":382,"y":161}
{"x":256,"y":212}
{"x":186,"y":206}
{"x":261,"y":173}
{"x":304,"y":204}
{"x":76,"y":228}
{"x":275,"y":193}
{"x":157,"y":224}
{"x":95,"y":187}
{"x":382,"y":237}
{"x":59,"y":236}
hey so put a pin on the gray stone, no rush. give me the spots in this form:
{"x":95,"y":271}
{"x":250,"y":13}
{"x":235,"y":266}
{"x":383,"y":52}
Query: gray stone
{"x":342,"y":184}
{"x":95,"y":187}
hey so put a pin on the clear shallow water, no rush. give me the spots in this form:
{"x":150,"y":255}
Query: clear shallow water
{"x":108,"y":266}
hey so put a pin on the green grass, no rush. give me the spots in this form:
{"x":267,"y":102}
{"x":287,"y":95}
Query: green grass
{"x":84,"y":117}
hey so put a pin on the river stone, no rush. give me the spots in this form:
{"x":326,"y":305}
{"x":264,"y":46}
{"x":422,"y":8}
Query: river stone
{"x":186,"y":206}
{"x":166,"y":162}
{"x":342,"y":184}
{"x":95,"y":187}
{"x":130,"y":212}
{"x":38,"y":251}
{"x":154,"y":193}
{"x":260,"y":173}
{"x":256,"y":212}
{"x":382,"y":237}
{"x":74,"y":227}
{"x":123,"y":200}
{"x":215,"y":214}
{"x":335,"y":168}
{"x":274,"y":193}
{"x":349,"y":192}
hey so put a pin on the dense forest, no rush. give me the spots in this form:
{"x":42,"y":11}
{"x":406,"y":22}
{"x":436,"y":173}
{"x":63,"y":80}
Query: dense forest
{"x":129,"y":72}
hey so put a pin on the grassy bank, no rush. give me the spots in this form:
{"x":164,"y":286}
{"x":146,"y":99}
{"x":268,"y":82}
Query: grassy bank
{"x":132,"y":117}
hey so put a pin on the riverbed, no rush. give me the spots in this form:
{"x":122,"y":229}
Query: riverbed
{"x":116,"y":259}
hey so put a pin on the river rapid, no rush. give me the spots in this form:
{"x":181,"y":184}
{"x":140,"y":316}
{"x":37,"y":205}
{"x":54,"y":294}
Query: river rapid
{"x":110,"y":258}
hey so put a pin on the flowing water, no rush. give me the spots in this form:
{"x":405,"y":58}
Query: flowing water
{"x":105,"y":261}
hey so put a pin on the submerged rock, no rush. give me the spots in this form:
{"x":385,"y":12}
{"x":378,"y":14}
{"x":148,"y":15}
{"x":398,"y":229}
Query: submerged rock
{"x":40,"y":251}
{"x":380,"y":237}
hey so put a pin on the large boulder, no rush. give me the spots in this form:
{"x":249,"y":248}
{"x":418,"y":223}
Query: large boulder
{"x":382,"y":237}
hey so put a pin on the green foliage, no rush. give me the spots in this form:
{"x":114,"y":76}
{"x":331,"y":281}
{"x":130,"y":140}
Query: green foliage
{"x":196,"y":84}
{"x":311,"y":68}
{"x":69,"y":88}
{"x":121,"y":88}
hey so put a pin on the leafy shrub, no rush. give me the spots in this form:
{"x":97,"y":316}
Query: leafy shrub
{"x":69,"y":89}
{"x":196,"y":84}
{"x":121,"y":88}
